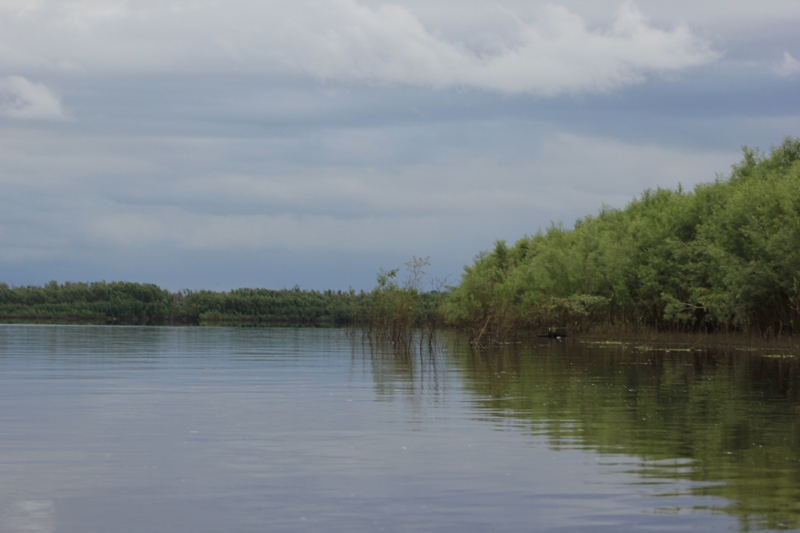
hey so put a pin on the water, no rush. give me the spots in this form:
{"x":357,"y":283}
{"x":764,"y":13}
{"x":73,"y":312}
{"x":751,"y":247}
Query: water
{"x":249,"y":430}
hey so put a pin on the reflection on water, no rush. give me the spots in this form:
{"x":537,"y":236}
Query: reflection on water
{"x":225,"y":429}
{"x":726,"y":420}
{"x":29,"y":516}
{"x":699,"y":423}
{"x":416,"y":375}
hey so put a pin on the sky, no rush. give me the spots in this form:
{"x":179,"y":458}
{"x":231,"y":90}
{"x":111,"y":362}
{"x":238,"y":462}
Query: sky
{"x":210,"y":144}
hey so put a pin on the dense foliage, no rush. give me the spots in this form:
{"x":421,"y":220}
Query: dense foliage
{"x":263,"y":306}
{"x":390,"y":311}
{"x":135,"y":303}
{"x":112,"y":303}
{"x":725,"y":257}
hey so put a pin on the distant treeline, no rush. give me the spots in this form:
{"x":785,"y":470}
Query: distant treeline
{"x":136,"y":303}
{"x":386,"y":308}
{"x":723,"y":258}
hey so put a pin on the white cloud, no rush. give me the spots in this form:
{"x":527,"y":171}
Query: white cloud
{"x":553,"y":52}
{"x":556,"y":53}
{"x":788,"y":67}
{"x":23,"y":99}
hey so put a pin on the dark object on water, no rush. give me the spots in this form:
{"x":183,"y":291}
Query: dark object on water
{"x":554,"y":333}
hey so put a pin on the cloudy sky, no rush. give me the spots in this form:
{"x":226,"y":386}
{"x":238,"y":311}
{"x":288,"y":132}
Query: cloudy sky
{"x":241,"y":143}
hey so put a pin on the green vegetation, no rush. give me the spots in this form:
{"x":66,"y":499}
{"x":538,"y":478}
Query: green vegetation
{"x":390,"y":311}
{"x":263,"y":306}
{"x":109,"y":303}
{"x":134,"y":303}
{"x":723,"y":258}
{"x":393,"y":312}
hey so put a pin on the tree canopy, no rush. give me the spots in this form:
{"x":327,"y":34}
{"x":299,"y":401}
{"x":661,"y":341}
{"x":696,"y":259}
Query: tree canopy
{"x":724,"y":257}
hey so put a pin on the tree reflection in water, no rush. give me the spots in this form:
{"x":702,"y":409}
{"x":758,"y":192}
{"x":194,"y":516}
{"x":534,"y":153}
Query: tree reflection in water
{"x":724,"y":421}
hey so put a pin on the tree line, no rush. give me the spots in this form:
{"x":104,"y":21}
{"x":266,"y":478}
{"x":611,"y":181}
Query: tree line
{"x":724,"y":257}
{"x":389,"y":311}
{"x":148,"y":304}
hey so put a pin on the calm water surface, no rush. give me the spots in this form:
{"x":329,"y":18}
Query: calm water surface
{"x":249,"y":430}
